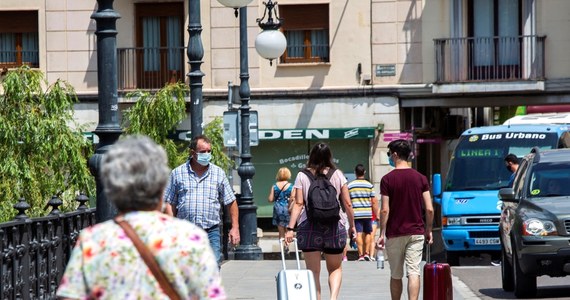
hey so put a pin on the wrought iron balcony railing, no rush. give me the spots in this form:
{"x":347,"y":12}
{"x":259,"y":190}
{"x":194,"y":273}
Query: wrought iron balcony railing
{"x":498,"y":58}
{"x":149,"y":68}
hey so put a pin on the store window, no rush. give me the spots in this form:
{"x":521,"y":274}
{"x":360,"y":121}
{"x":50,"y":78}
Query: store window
{"x":19,"y":39}
{"x":306,"y":28}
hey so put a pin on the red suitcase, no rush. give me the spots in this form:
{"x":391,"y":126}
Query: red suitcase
{"x":437,"y":280}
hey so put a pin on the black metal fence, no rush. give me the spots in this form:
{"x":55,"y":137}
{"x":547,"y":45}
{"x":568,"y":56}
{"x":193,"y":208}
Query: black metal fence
{"x":34,"y":251}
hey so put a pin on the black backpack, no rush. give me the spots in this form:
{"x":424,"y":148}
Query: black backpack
{"x":322,"y":203}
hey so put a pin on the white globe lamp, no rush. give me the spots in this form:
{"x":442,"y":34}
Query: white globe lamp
{"x":235,"y":3}
{"x":270,"y":44}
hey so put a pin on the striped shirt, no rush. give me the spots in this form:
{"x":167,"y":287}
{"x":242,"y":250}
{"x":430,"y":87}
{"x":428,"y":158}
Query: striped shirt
{"x":361,"y":192}
{"x":198,"y":199}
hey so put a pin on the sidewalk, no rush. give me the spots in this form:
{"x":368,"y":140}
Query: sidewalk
{"x":361,"y":280}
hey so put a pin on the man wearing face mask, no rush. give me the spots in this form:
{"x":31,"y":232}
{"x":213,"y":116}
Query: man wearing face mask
{"x":512,"y":164}
{"x":197,"y":189}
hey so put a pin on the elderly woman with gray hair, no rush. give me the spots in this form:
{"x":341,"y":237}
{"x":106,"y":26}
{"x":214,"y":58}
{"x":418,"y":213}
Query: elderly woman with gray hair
{"x":105,"y":264}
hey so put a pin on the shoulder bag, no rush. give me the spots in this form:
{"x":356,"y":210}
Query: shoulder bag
{"x":148,"y":258}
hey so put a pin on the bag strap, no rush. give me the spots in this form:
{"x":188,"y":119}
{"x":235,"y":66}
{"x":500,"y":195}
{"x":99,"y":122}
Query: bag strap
{"x":148,"y":258}
{"x":312,"y":176}
{"x":279,"y":194}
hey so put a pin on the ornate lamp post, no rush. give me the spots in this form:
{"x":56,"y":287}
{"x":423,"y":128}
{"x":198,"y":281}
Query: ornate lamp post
{"x":195,"y":54}
{"x":248,"y":249}
{"x":108,"y":129}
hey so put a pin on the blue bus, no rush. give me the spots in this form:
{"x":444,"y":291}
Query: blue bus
{"x":470,"y":206}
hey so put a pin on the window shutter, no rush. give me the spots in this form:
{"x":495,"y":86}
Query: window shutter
{"x":305,"y":16}
{"x":18,"y":21}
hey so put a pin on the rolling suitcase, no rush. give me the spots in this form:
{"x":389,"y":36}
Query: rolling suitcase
{"x":437,"y":280}
{"x":295,"y":284}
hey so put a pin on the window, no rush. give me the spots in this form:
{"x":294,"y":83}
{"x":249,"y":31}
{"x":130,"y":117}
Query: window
{"x":494,"y":27}
{"x":160,"y":29}
{"x":19,"y":39}
{"x":306,"y":28}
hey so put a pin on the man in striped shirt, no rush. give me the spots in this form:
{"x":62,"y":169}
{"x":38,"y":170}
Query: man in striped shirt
{"x":363,"y":202}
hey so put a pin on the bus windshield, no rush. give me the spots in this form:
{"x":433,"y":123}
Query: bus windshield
{"x":478,"y":160}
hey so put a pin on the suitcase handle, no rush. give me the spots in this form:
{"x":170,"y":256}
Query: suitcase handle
{"x":281,"y":241}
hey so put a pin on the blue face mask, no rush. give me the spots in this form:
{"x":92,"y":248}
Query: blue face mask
{"x":391,"y":162}
{"x":203,"y":158}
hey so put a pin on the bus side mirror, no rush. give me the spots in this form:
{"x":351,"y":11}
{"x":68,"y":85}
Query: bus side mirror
{"x":436,"y":187}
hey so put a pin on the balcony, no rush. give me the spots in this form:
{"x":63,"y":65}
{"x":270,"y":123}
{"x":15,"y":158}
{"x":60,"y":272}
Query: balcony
{"x":149,"y":68}
{"x":483,"y":59}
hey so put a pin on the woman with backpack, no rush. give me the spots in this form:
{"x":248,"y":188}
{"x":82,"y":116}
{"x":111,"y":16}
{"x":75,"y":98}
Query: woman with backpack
{"x":322,"y":221}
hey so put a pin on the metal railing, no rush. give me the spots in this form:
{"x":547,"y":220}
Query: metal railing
{"x":498,"y":58}
{"x":149,"y":68}
{"x":35,"y":251}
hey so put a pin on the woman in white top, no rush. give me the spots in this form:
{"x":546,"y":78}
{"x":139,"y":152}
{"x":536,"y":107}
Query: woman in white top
{"x":314,"y":237}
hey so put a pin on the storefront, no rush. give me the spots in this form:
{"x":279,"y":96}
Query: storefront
{"x":290,"y":148}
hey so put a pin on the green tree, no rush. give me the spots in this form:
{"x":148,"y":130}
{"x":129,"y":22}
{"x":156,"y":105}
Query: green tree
{"x":158,"y":114}
{"x":42,"y":149}
{"x":215,"y":132}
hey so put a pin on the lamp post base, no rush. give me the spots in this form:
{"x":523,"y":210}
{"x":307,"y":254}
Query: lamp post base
{"x":248,"y":252}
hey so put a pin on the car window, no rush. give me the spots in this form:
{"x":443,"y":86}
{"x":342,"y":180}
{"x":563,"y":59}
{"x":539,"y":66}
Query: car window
{"x":550,"y":180}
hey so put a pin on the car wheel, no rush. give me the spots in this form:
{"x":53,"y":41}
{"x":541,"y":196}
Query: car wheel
{"x":452,"y":258}
{"x":524,"y":285}
{"x":506,"y":272}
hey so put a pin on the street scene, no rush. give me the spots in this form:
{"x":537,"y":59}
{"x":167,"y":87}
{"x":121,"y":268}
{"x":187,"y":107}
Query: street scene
{"x":174,"y":149}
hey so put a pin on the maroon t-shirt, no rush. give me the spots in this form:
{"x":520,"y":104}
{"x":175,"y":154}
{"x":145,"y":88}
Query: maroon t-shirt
{"x":404,"y":187}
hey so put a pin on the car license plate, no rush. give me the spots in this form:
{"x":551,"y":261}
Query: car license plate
{"x":487,"y":241}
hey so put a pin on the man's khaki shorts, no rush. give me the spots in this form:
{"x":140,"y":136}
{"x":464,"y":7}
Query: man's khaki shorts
{"x":405,"y":249}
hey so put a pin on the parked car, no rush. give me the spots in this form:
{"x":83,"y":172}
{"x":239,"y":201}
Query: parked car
{"x":535,"y":221}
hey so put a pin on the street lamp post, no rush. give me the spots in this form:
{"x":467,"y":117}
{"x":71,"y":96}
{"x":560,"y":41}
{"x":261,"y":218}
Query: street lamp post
{"x":248,"y":249}
{"x":108,"y":129}
{"x":195,"y":54}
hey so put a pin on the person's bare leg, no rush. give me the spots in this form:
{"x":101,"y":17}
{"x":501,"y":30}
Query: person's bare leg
{"x":367,"y":238}
{"x":334,"y":267}
{"x":413,"y":287}
{"x":313,"y":262}
{"x":396,"y":288}
{"x":360,"y":244}
{"x":372,"y":245}
{"x":282,"y":231}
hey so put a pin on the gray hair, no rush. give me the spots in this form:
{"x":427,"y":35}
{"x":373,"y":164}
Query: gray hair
{"x":134,"y":173}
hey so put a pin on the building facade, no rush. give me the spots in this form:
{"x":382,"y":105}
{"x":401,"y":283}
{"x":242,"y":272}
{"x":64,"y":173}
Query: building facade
{"x":356,"y":74}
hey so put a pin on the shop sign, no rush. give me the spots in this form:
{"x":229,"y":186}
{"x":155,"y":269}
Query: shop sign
{"x":317,"y":134}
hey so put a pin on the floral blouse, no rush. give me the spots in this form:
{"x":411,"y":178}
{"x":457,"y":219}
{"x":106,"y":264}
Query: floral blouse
{"x":106,"y":265}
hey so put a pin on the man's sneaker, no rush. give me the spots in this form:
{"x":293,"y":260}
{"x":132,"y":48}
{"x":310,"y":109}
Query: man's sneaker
{"x":372,"y":258}
{"x":366,"y":257}
{"x":361,"y":258}
{"x":496,"y":263}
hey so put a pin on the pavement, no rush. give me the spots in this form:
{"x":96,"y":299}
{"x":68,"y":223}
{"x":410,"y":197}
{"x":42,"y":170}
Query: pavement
{"x":360,"y":279}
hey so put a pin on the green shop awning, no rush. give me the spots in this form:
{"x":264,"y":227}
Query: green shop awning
{"x":317,"y":133}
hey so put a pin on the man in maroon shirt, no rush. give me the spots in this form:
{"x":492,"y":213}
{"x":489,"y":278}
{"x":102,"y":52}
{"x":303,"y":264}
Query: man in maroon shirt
{"x":405,"y":192}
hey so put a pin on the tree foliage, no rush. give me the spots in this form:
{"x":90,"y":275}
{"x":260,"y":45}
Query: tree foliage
{"x":158,"y":114}
{"x":42,"y":149}
{"x":215,"y":132}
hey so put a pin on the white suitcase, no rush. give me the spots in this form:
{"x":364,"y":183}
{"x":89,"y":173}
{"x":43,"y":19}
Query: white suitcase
{"x":295,"y":284}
